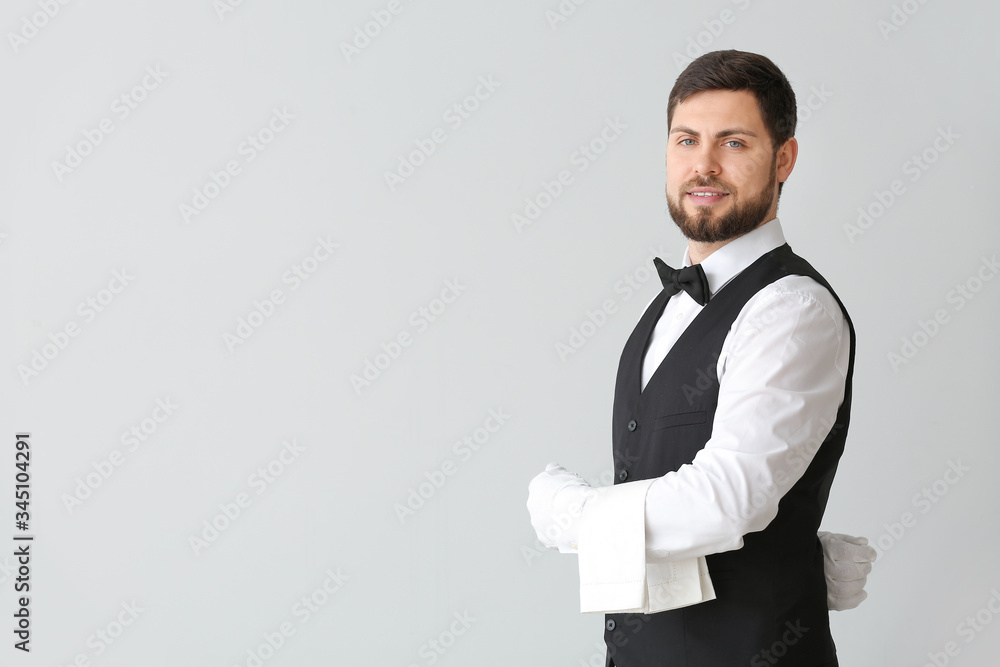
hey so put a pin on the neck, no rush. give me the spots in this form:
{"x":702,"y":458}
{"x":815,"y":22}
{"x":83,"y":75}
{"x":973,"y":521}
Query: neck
{"x":698,"y":251}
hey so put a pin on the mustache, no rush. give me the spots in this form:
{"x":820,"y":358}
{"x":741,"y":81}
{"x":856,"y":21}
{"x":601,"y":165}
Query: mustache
{"x":707,"y":182}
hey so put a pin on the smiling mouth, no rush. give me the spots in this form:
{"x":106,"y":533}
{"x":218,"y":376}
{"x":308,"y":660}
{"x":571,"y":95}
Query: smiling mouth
{"x":706,"y":198}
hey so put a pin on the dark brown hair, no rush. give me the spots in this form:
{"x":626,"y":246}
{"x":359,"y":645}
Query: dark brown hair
{"x":739,"y":70}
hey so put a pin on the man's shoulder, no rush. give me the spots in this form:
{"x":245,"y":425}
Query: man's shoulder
{"x":793,"y":316}
{"x":789,"y":296}
{"x":799,"y":281}
{"x":805,"y":287}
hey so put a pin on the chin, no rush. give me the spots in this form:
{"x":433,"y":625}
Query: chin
{"x":699,"y":213}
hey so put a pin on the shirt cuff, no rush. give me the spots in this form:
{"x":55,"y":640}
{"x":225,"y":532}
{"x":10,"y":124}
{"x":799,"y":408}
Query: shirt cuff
{"x":678,"y":583}
{"x":614,"y":574}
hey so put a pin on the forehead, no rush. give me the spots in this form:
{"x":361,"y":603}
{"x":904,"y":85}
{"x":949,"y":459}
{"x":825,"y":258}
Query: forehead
{"x":712,"y":110}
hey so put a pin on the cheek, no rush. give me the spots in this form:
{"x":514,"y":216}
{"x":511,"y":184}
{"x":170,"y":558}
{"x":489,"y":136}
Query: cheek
{"x":676,"y":164}
{"x":677,"y":174}
{"x":673,"y":188}
{"x":671,"y":180}
{"x":750,"y":171}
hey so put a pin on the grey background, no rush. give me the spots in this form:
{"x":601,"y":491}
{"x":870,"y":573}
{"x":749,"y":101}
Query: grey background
{"x":469,"y":549}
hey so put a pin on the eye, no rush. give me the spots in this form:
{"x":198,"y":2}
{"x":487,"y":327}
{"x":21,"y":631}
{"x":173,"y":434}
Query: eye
{"x":739,"y":144}
{"x":681,"y":142}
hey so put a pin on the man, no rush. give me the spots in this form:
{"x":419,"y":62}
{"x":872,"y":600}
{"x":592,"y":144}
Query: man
{"x":731,"y":410}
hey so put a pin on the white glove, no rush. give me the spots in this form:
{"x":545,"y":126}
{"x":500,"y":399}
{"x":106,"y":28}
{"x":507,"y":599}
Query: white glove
{"x":555,"y":503}
{"x":847,"y":562}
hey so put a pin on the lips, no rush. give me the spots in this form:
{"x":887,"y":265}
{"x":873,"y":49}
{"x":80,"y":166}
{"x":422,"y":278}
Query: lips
{"x":706,"y":196}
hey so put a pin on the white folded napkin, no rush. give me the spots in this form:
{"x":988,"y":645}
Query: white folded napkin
{"x":614,"y":574}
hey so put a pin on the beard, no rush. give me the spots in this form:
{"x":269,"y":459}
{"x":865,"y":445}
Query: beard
{"x":742,"y":218}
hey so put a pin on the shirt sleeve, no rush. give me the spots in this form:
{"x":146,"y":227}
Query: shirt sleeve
{"x":782,"y":374}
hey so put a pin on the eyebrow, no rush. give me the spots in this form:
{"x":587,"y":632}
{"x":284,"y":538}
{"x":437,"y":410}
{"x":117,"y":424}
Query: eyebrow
{"x":728,"y":132}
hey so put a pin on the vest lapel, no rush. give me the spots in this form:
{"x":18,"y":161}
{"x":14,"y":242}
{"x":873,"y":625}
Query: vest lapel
{"x":642,"y":335}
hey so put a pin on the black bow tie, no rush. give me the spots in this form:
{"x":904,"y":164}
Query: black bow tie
{"x":691,"y":279}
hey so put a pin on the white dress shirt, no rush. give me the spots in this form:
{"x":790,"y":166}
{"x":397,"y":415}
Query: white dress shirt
{"x":782,"y":373}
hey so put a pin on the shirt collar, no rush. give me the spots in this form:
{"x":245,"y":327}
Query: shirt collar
{"x":728,"y":261}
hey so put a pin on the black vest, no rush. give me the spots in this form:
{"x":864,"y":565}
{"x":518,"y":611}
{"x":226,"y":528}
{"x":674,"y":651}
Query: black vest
{"x":770,"y":604}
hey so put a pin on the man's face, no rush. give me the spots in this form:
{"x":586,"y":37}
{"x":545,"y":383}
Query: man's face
{"x":722,"y":171}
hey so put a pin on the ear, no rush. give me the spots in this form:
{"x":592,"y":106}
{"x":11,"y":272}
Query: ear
{"x":785,"y":159}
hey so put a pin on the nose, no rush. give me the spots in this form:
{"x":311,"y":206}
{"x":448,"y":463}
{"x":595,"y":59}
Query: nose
{"x":706,"y":162}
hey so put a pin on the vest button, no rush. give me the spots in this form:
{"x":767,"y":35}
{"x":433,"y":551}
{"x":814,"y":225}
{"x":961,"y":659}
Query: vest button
{"x":623,"y":475}
{"x":610,"y":624}
{"x":632,"y":425}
